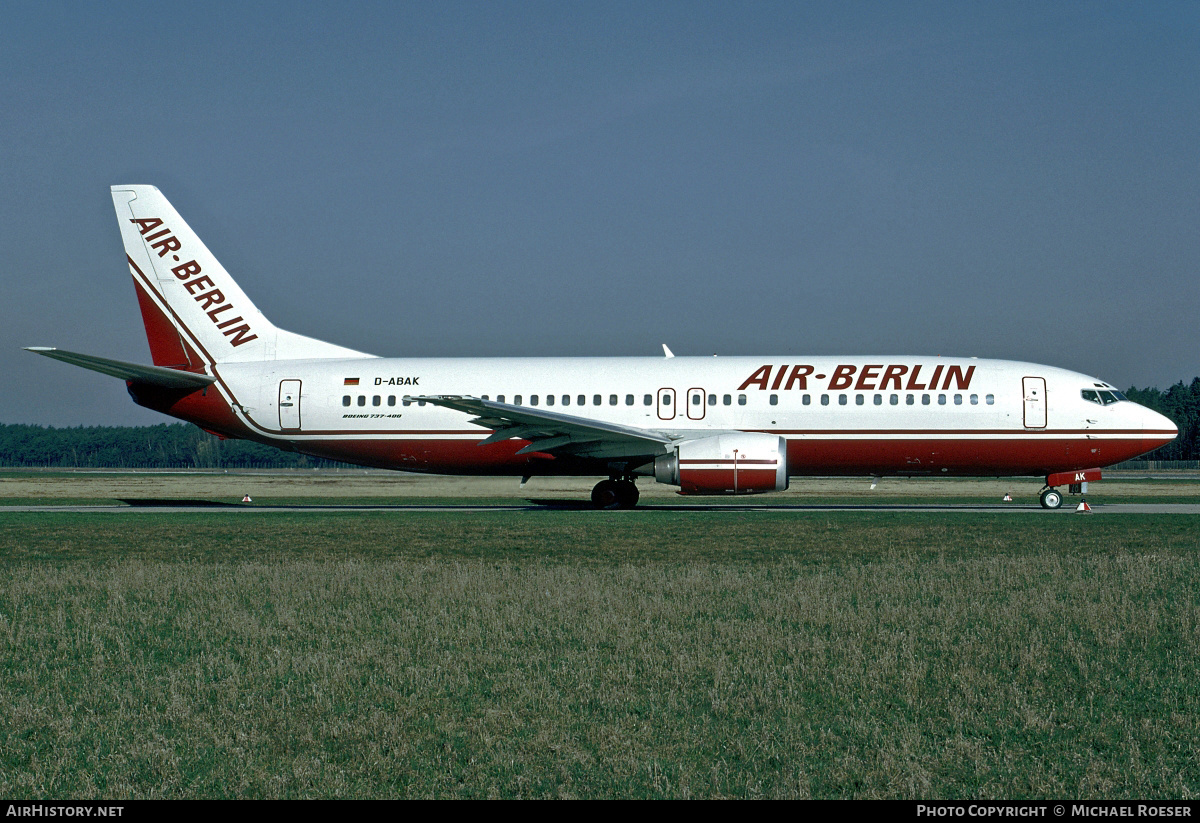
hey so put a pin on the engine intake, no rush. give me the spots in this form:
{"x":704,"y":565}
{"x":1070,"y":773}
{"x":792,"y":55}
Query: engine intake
{"x":739,"y":463}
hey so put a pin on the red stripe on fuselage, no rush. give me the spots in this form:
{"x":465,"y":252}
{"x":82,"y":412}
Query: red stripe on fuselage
{"x":948,"y":457}
{"x":975,"y":456}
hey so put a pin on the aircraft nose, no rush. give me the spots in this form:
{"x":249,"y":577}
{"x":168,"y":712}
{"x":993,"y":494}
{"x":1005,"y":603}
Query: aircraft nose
{"x":1157,"y":429}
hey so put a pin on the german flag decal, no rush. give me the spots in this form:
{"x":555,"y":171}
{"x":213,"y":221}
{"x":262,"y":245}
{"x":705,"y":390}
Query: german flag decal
{"x":351,"y":381}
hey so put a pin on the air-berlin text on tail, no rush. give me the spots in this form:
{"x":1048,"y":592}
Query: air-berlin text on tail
{"x":870,"y":377}
{"x":212,"y":301}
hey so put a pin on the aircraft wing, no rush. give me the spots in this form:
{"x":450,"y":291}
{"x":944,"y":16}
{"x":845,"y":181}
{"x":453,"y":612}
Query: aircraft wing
{"x":153,"y":375}
{"x":553,"y":432}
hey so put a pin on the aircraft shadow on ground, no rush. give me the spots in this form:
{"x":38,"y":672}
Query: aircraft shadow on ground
{"x":146,"y":502}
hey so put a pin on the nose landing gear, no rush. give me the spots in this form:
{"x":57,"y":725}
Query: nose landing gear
{"x":615,"y":493}
{"x":1051,"y":498}
{"x":1077,"y":481}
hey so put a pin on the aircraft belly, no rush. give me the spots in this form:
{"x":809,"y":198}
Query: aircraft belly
{"x":979,"y":455}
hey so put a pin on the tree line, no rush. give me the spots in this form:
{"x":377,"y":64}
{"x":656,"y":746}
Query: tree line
{"x":165,"y":446}
{"x":1181,"y":403}
{"x":183,"y":446}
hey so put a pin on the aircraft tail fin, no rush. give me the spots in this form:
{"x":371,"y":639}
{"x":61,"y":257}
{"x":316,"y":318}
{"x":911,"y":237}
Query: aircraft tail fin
{"x":195,"y":314}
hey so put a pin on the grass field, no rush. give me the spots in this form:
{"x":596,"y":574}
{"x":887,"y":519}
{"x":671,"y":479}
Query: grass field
{"x":599,"y":654}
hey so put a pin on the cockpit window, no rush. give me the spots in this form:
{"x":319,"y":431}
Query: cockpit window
{"x":1102,"y":398}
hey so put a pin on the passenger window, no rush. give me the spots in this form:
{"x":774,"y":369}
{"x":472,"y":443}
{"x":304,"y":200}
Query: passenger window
{"x":612,"y":400}
{"x":516,"y":399}
{"x":774,"y":400}
{"x":648,"y":400}
{"x":499,"y":398}
{"x":406,"y":402}
{"x":941,"y":399}
{"x":712,"y":399}
{"x":391,"y":399}
{"x":741,"y":399}
{"x":549,"y":400}
{"x":824,"y":400}
{"x":859,"y":400}
{"x":420,"y":402}
{"x":807,"y":400}
{"x":841,"y":399}
{"x":879,"y":400}
{"x":909,"y":400}
{"x":533,"y":399}
{"x":581,"y":400}
{"x":629,"y":400}
{"x":990,"y":399}
{"x":595,"y":400}
{"x":958,"y":399}
{"x":346,"y":400}
{"x":666,"y":399}
{"x":566,"y":398}
{"x":696,"y":400}
{"x":895,"y":400}
{"x":362,"y":400}
{"x":924,"y":400}
{"x":726,"y":400}
{"x":974,"y":400}
{"x":376,"y":400}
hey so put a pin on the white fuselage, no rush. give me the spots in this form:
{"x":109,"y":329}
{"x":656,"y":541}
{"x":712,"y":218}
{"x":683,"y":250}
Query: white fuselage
{"x":859,"y":415}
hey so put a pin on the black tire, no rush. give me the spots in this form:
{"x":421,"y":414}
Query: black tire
{"x":606,"y":494}
{"x":627,"y":494}
{"x":1051,"y":499}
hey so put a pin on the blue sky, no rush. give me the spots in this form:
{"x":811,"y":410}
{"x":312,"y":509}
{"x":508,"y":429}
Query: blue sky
{"x":1012,"y":180}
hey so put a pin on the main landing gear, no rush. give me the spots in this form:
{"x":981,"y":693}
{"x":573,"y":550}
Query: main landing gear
{"x":615,"y":493}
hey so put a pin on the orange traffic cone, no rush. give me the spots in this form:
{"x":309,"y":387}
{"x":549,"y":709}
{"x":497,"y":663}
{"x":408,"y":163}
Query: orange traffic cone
{"x":1083,"y":507}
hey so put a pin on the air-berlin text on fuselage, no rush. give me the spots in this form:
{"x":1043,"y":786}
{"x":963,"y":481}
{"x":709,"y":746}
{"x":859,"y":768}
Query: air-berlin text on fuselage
{"x":206,"y":293}
{"x":870,"y":377}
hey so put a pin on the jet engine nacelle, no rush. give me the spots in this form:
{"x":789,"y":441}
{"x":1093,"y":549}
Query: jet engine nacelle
{"x":739,"y":463}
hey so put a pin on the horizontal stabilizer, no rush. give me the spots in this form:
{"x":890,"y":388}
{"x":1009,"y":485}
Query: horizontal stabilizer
{"x":152,"y":375}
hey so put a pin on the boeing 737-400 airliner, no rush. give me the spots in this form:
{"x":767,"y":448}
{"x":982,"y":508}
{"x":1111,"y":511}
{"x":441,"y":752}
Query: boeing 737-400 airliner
{"x":709,"y":425}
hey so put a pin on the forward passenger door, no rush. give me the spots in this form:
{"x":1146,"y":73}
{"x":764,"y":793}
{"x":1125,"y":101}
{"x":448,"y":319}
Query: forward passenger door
{"x":1034,"y":389}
